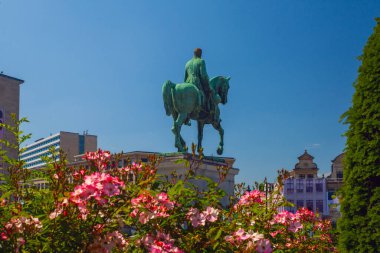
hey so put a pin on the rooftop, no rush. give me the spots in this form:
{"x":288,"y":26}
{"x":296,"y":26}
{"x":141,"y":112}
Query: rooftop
{"x":12,"y":78}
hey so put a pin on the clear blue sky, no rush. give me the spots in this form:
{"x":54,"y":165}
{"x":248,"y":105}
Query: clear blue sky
{"x":99,"y":66}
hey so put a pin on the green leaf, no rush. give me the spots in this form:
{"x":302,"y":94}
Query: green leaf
{"x":218,"y":234}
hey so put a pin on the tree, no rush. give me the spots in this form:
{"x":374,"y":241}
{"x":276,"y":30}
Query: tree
{"x":360,"y":223}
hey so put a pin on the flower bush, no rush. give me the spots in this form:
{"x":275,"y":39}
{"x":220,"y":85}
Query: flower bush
{"x":104,"y":208}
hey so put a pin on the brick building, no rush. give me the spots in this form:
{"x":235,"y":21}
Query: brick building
{"x":9,"y":104}
{"x":72,"y":144}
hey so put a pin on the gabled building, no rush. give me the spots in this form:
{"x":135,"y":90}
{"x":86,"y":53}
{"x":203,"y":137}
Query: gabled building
{"x":305,"y":168}
{"x":335,"y":179}
{"x":304,"y":188}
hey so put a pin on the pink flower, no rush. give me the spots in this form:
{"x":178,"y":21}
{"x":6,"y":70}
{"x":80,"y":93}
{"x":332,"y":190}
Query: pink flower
{"x":211,"y":214}
{"x":196,"y":218}
{"x":241,"y":235}
{"x":229,"y":238}
{"x":273,"y":234}
{"x":305,"y":214}
{"x":295,"y":226}
{"x":99,"y":158}
{"x":137,"y":167}
{"x":19,"y":225}
{"x":3,"y":202}
{"x":250,"y":198}
{"x":264,"y":246}
{"x":255,"y":236}
{"x":108,"y":242}
{"x":3,"y":236}
{"x":151,"y":207}
{"x":98,"y":186}
{"x":55,"y":213}
{"x":162,"y":197}
{"x":110,"y":189}
{"x":20,"y":241}
{"x":145,"y":217}
{"x":162,"y":243}
{"x":284,"y":217}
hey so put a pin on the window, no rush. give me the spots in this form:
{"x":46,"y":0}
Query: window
{"x":299,"y":185}
{"x":339,"y":174}
{"x":319,"y":206}
{"x":81,"y":144}
{"x":309,"y":205}
{"x":319,"y":186}
{"x":301,"y":176}
{"x":289,"y":186}
{"x":309,"y":185}
{"x":300,"y":203}
{"x":290,"y":208}
{"x":310,"y":176}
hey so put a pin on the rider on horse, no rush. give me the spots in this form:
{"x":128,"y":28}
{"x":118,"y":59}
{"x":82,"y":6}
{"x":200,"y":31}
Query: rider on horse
{"x":195,"y":73}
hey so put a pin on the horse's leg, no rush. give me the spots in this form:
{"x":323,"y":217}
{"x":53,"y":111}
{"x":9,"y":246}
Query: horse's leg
{"x":175,"y":116}
{"x":182,"y":141}
{"x":179,"y":142}
{"x":200,"y":134}
{"x":218,"y":127}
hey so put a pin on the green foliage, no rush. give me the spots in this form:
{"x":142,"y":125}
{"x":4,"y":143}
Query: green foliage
{"x":102,"y":207}
{"x":360,"y":223}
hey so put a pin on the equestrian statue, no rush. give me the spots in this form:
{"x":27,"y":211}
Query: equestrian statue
{"x":197,"y":98}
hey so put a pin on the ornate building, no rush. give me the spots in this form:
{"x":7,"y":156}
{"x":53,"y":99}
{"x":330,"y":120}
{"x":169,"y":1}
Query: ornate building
{"x":305,"y":168}
{"x":335,"y":179}
{"x":304,"y":188}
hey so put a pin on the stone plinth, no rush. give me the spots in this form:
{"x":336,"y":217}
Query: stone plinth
{"x":208,"y":167}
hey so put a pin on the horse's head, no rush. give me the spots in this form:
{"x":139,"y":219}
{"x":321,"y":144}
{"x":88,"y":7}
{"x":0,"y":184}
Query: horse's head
{"x":222,"y":86}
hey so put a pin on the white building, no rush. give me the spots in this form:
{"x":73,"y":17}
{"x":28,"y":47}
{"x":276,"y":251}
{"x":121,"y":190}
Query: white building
{"x":304,"y":189}
{"x":71,"y":143}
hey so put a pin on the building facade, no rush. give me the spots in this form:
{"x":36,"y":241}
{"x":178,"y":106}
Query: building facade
{"x":335,"y":179}
{"x":334,"y":183}
{"x":9,"y":104}
{"x":72,"y":145}
{"x":304,"y":188}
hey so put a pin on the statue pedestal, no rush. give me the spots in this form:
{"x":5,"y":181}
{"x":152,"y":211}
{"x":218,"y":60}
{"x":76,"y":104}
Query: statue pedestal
{"x":207,"y":167}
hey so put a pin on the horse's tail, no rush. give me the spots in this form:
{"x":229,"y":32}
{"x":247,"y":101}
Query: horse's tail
{"x":167,"y":90}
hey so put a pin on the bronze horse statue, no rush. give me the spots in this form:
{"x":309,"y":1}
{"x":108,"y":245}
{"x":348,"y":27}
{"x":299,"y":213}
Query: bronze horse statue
{"x":184,"y":101}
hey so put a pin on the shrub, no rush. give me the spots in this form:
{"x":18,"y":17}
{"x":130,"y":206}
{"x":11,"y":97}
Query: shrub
{"x":100,"y":209}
